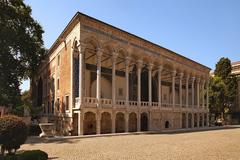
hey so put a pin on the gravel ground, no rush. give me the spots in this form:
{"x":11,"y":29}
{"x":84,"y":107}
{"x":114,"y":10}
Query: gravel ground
{"x":206,"y":145}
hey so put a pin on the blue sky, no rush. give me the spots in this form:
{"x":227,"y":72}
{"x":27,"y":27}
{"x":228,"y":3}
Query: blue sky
{"x":203,"y":30}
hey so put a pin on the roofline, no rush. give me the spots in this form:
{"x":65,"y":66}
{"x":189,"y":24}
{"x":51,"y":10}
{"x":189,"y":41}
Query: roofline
{"x":80,"y":13}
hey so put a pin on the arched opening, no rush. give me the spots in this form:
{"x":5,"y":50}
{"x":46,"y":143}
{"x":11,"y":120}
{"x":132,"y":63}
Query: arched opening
{"x":195,"y":119}
{"x":167,"y":124}
{"x":189,"y":120}
{"x":200,"y":120}
{"x":132,"y":122}
{"x":75,"y":124}
{"x":133,"y":84}
{"x":120,"y":122}
{"x":184,"y":120}
{"x":144,"y":84}
{"x":144,"y":122}
{"x":39,"y":92}
{"x":106,"y":123}
{"x":89,"y":123}
{"x":205,"y":119}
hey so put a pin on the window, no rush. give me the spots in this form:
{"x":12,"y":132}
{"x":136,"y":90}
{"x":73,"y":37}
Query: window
{"x":67,"y":102}
{"x":120,"y":92}
{"x":48,"y":107}
{"x":52,"y":106}
{"x":58,"y":84}
{"x":58,"y":104}
{"x":58,"y":60}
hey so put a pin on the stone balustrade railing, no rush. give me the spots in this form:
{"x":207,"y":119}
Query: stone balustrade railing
{"x":108,"y":102}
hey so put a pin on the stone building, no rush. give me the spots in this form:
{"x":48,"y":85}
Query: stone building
{"x":236,"y":110}
{"x":98,"y":79}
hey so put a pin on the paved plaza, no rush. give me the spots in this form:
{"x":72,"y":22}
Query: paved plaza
{"x":212,"y":145}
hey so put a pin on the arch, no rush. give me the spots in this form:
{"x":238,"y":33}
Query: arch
{"x":205,"y":119}
{"x":132,"y":122}
{"x":92,"y":40}
{"x":89,"y":123}
{"x":167,"y":124}
{"x":200,"y":120}
{"x":120,"y":122}
{"x":105,"y":83}
{"x":144,"y":121}
{"x":195,"y":119}
{"x":121,"y":50}
{"x":184,"y":118}
{"x":144,"y":84}
{"x":133,"y":84}
{"x":39,"y":92}
{"x":189,"y":120}
{"x":106,"y":123}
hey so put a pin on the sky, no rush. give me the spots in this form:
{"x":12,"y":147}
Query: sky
{"x":202,"y":30}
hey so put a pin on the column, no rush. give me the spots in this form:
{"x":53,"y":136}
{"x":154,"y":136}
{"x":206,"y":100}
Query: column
{"x":98,"y":88}
{"x":193,"y":79}
{"x":192,"y":120}
{"x":203,"y":117}
{"x":203,"y":92}
{"x":127,"y":61}
{"x":180,"y":89}
{"x":173,"y":88}
{"x":98,"y":123}
{"x":113,"y":122}
{"x":187,"y":78}
{"x":114,"y":58}
{"x":198,"y":92}
{"x":160,"y":68}
{"x":207,"y":95}
{"x":138,"y":122}
{"x":139,"y":69}
{"x":81,"y":74}
{"x":150,"y":66}
{"x":126,"y":122}
{"x":186,"y":120}
{"x":80,"y":123}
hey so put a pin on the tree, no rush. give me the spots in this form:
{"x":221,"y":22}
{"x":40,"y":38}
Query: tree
{"x":223,"y":68}
{"x":222,"y":88}
{"x":21,"y":48}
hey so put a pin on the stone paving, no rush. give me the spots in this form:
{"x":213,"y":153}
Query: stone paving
{"x":204,"y":145}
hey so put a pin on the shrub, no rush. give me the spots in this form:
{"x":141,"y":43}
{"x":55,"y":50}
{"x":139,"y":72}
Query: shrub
{"x":28,"y":155}
{"x":13,"y":133}
{"x":34,"y":130}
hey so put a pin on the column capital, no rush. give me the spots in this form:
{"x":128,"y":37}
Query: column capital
{"x":114,"y":56}
{"x":127,"y":60}
{"x":150,"y":66}
{"x":174,"y":72}
{"x":99,"y":52}
{"x":193,"y":79}
{"x":198,"y":80}
{"x":81,"y":46}
{"x":160,"y":68}
{"x":139,"y":64}
{"x":181,"y":75}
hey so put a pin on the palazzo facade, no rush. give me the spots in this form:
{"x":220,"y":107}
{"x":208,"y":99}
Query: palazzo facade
{"x":99,"y":79}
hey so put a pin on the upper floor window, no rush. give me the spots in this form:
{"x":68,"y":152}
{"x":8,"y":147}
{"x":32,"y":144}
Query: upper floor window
{"x":67,"y":102}
{"x":58,"y":104}
{"x":58,"y":84}
{"x":58,"y":60}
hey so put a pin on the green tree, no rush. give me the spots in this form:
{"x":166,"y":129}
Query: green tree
{"x":21,"y":48}
{"x":223,"y":68}
{"x":222,"y":88}
{"x":217,"y":95}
